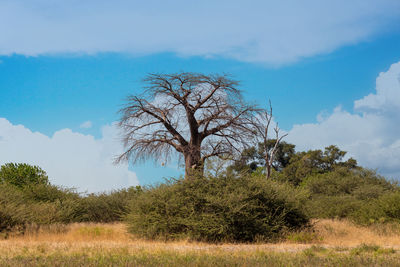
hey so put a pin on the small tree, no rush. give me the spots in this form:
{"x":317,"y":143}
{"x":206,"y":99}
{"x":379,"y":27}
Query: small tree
{"x":195,"y":115}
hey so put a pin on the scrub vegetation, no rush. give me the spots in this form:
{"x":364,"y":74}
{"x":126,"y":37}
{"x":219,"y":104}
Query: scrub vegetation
{"x":316,"y":209}
{"x":241,"y":191}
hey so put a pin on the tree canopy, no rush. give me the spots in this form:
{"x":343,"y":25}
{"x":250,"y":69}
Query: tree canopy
{"x":22,"y":174}
{"x":193,"y":115}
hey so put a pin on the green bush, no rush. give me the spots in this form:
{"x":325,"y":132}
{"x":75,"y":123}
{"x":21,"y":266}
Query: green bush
{"x":27,"y":197}
{"x":213,"y":209}
{"x":344,"y":192}
{"x":361,"y":183}
{"x":36,"y":205}
{"x":384,"y":209}
{"x":341,"y":206}
{"x":107,"y":207}
{"x":22,"y":174}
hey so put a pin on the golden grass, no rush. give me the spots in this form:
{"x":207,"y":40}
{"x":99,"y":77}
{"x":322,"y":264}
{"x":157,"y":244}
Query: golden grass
{"x":74,"y":237}
{"x":343,"y":233}
{"x":334,"y":244}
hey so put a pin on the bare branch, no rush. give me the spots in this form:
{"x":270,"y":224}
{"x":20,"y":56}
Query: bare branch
{"x":199,"y":116}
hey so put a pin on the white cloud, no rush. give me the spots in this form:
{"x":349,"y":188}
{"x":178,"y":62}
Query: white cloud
{"x":70,"y":159}
{"x":370,"y":133}
{"x":272,"y":32}
{"x":86,"y":125}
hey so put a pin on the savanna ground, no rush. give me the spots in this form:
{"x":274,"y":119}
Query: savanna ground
{"x":330,"y":243}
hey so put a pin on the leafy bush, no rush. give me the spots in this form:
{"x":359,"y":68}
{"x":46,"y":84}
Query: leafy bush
{"x":27,"y":197}
{"x":109,"y":207}
{"x":21,"y":207}
{"x":343,"y":192}
{"x":44,"y":204}
{"x":217,"y":209}
{"x":384,"y":209}
{"x":361,"y":183}
{"x":22,"y":174}
{"x":332,"y":206}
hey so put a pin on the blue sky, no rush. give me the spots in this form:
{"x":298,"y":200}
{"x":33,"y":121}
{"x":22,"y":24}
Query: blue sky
{"x":64,"y":73}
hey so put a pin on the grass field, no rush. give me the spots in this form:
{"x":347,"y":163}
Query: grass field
{"x":331,"y":243}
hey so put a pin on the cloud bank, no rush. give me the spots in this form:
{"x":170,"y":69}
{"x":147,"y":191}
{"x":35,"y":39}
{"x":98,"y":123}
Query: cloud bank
{"x":70,"y":159}
{"x":371,"y":133}
{"x":273,"y":32}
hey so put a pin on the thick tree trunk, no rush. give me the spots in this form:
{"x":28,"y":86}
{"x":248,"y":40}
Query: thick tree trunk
{"x":193,"y":164}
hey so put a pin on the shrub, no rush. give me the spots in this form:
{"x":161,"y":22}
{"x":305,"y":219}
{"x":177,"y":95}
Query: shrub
{"x":107,"y":207}
{"x":36,"y":204}
{"x":361,"y":183}
{"x":27,"y":198}
{"x":343,"y":192}
{"x":384,"y":209}
{"x":217,"y":209}
{"x":21,"y":174}
{"x":10,"y":214}
{"x":341,"y":206}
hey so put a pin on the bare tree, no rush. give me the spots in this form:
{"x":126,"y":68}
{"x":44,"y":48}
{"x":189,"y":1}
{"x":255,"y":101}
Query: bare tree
{"x":262,"y":126}
{"x":197,"y":116}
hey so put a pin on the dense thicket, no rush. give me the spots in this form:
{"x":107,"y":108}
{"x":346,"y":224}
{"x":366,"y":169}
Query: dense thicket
{"x":336,"y":188}
{"x":343,"y":192}
{"x":235,"y":203}
{"x":26,"y":197}
{"x":226,"y":208}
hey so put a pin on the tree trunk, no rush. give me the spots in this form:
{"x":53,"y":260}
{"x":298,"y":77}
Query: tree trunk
{"x":193,"y":164}
{"x":267,"y":166}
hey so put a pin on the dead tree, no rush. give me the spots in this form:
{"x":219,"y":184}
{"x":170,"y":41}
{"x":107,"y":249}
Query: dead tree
{"x":194,"y":115}
{"x":262,"y":126}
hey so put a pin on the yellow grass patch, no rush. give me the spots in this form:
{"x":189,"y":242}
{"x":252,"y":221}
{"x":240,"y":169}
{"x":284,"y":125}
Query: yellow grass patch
{"x":328,"y":233}
{"x":333,"y":243}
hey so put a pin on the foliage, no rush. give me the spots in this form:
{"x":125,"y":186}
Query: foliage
{"x":226,"y":208}
{"x":384,"y":209}
{"x":107,"y":207}
{"x":343,"y":192}
{"x":19,"y":208}
{"x":312,"y":162}
{"x":22,"y":174}
{"x":26,"y":197}
{"x":252,"y":158}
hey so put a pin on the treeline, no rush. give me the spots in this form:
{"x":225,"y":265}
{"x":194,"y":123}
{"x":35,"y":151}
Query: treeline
{"x":335,"y":188}
{"x":230,"y":203}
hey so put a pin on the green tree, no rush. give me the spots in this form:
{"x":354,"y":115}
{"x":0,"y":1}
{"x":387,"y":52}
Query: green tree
{"x":22,"y":174}
{"x":254,"y":157}
{"x":304,"y":164}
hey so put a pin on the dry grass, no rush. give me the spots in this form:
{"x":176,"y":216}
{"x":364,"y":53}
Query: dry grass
{"x":342,"y":233}
{"x":328,"y":233}
{"x":89,"y":241}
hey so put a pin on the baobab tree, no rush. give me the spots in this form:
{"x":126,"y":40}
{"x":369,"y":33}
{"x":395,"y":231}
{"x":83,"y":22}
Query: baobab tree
{"x":193,"y":115}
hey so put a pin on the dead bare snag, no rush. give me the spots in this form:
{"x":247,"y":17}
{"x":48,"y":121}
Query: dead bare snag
{"x":262,"y":127}
{"x":194,"y":115}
